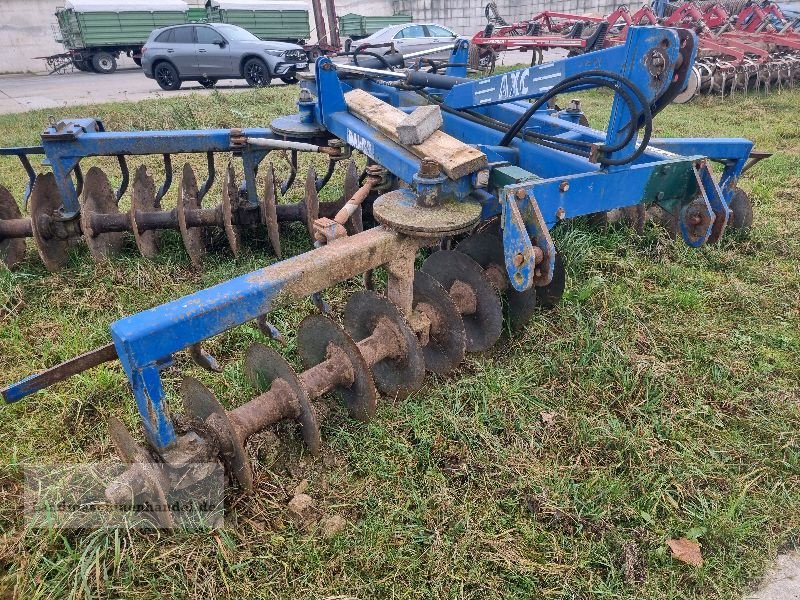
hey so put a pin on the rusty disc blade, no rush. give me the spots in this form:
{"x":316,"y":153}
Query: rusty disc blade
{"x":230,"y":197}
{"x":143,"y":200}
{"x":269,"y":211}
{"x":263,"y":365}
{"x":485,"y":325}
{"x":99,"y":199}
{"x":201,"y":403}
{"x":486,"y":249}
{"x":45,"y":204}
{"x":188,"y":199}
{"x":314,"y":336}
{"x":311,"y":201}
{"x":12,"y":250}
{"x":393,"y":376}
{"x":447,"y":338}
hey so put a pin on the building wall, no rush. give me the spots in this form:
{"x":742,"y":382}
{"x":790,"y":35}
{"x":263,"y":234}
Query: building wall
{"x":26,"y":33}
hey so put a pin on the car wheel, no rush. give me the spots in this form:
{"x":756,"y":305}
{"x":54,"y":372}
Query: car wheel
{"x":167,"y":76}
{"x":104,"y":63}
{"x":207,"y":82}
{"x":289,"y":80}
{"x":256,"y":73}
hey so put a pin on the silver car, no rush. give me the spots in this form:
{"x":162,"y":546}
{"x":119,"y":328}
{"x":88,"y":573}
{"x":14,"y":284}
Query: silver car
{"x":412,"y":37}
{"x":209,"y":52}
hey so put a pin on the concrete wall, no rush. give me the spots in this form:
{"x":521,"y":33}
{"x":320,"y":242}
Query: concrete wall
{"x":26,"y":32}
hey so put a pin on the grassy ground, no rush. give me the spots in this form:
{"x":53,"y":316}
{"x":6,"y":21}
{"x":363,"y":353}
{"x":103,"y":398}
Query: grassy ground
{"x":660,"y":400}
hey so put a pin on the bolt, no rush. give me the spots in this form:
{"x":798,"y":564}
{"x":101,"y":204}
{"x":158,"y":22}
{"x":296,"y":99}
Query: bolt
{"x":574,"y":105}
{"x":521,"y":194}
{"x":482,"y":179}
{"x":564,"y":186}
{"x":519,"y":259}
{"x":429,"y":168}
{"x":336,"y":143}
{"x":561,"y":213}
{"x":305,"y":95}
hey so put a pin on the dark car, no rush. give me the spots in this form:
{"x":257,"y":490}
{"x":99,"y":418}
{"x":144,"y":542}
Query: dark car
{"x":209,"y":52}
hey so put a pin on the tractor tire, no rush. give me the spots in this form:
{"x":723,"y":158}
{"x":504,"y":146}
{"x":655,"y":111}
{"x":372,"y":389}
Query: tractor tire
{"x":166,"y":76}
{"x":256,"y":73}
{"x":104,"y":63}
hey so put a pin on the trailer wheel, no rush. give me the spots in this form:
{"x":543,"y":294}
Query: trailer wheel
{"x":166,"y":76}
{"x":104,"y":63}
{"x":137,"y":60}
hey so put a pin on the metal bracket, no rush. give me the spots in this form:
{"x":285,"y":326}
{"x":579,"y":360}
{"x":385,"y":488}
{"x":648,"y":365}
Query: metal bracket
{"x":528,"y":248}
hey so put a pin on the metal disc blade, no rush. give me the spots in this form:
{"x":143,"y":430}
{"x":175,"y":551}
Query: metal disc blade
{"x":269,"y":211}
{"x":263,"y":365}
{"x":99,"y":199}
{"x":230,"y":197}
{"x":447,"y":339}
{"x":12,"y":250}
{"x":45,"y":203}
{"x":314,"y":336}
{"x":393,"y":376}
{"x":143,"y":200}
{"x":485,"y":324}
{"x":188,"y":199}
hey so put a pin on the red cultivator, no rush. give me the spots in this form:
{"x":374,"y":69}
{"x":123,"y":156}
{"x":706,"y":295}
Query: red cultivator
{"x":756,"y":49}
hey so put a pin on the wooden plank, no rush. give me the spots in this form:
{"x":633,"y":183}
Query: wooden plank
{"x":456,"y":158}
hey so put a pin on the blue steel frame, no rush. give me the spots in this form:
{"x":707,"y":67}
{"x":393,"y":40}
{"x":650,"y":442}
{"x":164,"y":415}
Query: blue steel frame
{"x":559,"y":185}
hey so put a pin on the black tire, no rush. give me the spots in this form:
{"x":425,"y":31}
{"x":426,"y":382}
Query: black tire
{"x":289,"y":80}
{"x":166,"y":76}
{"x":104,"y":63}
{"x":137,"y":60}
{"x":207,"y":82}
{"x":256,"y":73}
{"x":742,"y":207}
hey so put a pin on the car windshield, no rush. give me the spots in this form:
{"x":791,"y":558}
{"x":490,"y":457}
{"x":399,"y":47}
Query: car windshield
{"x":236,"y":34}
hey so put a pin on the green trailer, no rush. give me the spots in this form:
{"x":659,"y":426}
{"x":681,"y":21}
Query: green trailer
{"x":359,"y":26}
{"x":274,"y":21}
{"x":96,"y":32}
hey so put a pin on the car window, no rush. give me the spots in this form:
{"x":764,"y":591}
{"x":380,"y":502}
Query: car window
{"x":436,"y":31}
{"x":165,"y":37}
{"x":412,"y":31}
{"x":183,"y":35}
{"x":237,"y":34}
{"x":206,"y":35}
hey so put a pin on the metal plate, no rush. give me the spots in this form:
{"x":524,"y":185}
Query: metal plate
{"x":263,"y":365}
{"x":292,"y":127}
{"x":311,"y":201}
{"x":393,"y":377}
{"x":193,"y":238}
{"x":315,"y":334}
{"x":486,"y":249}
{"x":399,"y":211}
{"x":230,"y":195}
{"x":447,"y":341}
{"x":199,"y":402}
{"x":485,"y":325}
{"x":156,"y":482}
{"x":99,"y":199}
{"x":143,"y":200}
{"x":45,"y":202}
{"x":692,"y":87}
{"x":12,"y":250}
{"x":269,"y":211}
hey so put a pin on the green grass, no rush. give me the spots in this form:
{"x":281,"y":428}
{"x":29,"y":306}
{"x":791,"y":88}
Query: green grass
{"x":672,"y":374}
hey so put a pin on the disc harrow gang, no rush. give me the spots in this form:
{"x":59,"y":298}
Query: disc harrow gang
{"x":103,"y":226}
{"x":477,"y":199}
